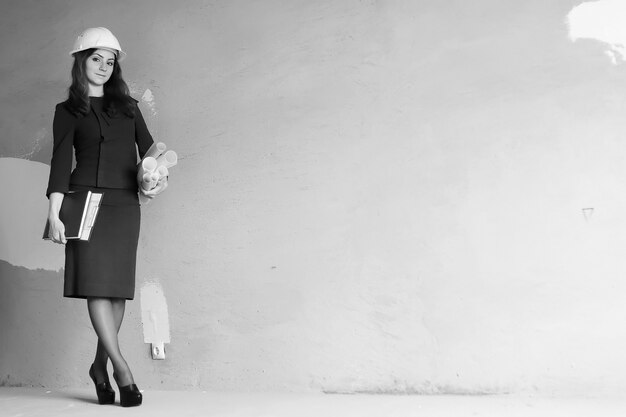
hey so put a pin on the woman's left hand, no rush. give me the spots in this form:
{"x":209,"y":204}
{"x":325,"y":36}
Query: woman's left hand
{"x":160,"y":187}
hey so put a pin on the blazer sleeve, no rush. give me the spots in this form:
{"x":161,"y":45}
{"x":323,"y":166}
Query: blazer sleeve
{"x":63,"y":128}
{"x":142,"y":135}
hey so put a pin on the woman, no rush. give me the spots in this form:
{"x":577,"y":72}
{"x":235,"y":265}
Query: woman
{"x":103,"y":126}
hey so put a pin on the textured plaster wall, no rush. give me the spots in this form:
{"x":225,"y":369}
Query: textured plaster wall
{"x":372,"y":196}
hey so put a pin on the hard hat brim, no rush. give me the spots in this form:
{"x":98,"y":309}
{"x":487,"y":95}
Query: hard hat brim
{"x":119,"y":55}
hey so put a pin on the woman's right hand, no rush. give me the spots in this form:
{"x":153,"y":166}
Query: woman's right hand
{"x":57,"y":228}
{"x":57,"y":231}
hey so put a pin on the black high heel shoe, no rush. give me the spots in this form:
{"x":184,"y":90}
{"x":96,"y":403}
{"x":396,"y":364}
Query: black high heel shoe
{"x":129,"y":394}
{"x":104,"y":391}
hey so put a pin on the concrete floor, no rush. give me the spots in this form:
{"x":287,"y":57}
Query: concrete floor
{"x":30,"y":402}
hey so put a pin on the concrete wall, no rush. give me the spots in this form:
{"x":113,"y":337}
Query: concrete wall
{"x":372,"y":196}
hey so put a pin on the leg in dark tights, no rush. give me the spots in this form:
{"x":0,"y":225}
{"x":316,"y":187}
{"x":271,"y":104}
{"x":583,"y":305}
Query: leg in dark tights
{"x":106,"y":316}
{"x":102,"y":357}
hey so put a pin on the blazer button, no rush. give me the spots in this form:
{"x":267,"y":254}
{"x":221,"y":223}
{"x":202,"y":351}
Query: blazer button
{"x":101,"y":138}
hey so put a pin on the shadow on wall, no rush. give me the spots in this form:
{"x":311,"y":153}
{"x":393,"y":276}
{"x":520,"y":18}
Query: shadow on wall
{"x":40,"y":330}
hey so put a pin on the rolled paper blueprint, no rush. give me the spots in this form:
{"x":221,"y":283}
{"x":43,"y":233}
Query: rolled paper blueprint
{"x":148,"y":182}
{"x":162,"y":171}
{"x":155,"y":150}
{"x":168,"y":159}
{"x":147,"y":166}
{"x":151,"y":171}
{"x":152,"y":180}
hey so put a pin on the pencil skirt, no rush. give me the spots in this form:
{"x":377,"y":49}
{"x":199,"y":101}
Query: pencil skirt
{"x":104,"y":266}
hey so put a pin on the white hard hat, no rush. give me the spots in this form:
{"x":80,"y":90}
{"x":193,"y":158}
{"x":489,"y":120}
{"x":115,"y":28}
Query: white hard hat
{"x":98,"y":38}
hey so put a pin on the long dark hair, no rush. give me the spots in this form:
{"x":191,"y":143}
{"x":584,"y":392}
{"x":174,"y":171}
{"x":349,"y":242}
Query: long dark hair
{"x":117,"y":99}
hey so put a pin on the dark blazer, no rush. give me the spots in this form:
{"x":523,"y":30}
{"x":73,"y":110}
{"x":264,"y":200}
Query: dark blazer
{"x":105,"y":148}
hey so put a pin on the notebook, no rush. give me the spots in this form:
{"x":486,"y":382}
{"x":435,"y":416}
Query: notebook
{"x":78,"y":213}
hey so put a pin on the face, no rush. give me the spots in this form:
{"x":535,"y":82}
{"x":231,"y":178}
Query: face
{"x":99,"y":66}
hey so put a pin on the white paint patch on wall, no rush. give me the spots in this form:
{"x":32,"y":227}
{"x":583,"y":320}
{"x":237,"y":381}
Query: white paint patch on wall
{"x":154,"y":314}
{"x":23,"y":212}
{"x":148,"y":98}
{"x":37,"y":145}
{"x":602,"y":21}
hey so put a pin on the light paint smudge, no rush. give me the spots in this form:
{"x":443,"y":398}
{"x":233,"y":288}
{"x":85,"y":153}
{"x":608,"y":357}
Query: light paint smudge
{"x":148,"y":98}
{"x":38,"y":144}
{"x":154,"y":314}
{"x":603,"y":21}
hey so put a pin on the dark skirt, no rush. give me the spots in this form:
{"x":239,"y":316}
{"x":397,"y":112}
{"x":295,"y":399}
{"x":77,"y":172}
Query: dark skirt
{"x":105,"y":265}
